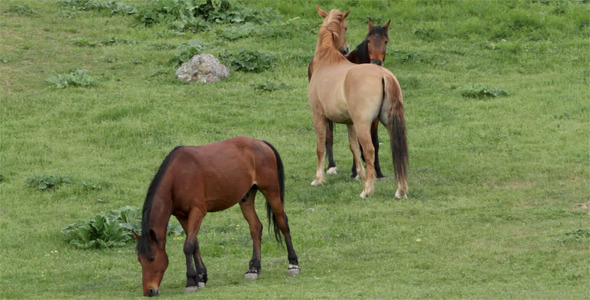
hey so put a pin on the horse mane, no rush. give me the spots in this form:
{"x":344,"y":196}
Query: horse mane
{"x":143,"y":245}
{"x":326,"y":50}
{"x":360,"y":55}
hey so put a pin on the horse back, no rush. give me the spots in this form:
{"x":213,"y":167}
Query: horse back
{"x":216,"y":176}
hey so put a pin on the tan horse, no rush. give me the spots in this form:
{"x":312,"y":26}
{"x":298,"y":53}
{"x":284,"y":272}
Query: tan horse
{"x":355,"y":95}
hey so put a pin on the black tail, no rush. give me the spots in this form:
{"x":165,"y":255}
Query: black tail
{"x":281,"y":176}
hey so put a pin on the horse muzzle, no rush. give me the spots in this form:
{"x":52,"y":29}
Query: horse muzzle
{"x":345,"y":51}
{"x":152,"y":292}
{"x":377,"y":62}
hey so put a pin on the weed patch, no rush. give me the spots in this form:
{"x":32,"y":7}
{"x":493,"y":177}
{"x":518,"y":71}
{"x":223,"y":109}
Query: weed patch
{"x":578,"y":235}
{"x":112,"y":7}
{"x":271,"y":86}
{"x":47,"y":182}
{"x":21,"y":10}
{"x":248,"y":60}
{"x":479,"y":91}
{"x":186,"y":51}
{"x":110,"y":229}
{"x":79,"y":78}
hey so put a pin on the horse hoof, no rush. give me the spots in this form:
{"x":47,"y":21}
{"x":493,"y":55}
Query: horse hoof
{"x":190,"y":289}
{"x":293,"y":270}
{"x":201,"y":284}
{"x":364,"y":195}
{"x":316,"y":183}
{"x":251,"y":276}
{"x":401,"y":195}
{"x":332,"y":171}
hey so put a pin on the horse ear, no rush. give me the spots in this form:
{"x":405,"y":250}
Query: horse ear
{"x":370,"y":25}
{"x":137,"y":236}
{"x":387,"y":25}
{"x":153,"y":235}
{"x":345,"y":15}
{"x":322,"y":12}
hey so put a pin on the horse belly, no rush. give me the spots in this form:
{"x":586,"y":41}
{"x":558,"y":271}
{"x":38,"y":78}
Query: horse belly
{"x":227,"y":194}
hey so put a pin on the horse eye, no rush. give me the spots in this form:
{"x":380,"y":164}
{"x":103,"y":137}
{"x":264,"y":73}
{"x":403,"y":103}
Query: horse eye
{"x":152,"y":259}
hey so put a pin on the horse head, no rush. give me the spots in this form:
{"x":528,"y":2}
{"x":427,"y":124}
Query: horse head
{"x":377,"y":38}
{"x":335,"y":23}
{"x":151,"y":253}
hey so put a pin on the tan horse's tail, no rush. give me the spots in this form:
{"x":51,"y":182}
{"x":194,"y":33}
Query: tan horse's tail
{"x":397,"y":130}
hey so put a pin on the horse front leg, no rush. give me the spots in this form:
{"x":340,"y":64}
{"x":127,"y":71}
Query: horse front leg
{"x":195,"y":276}
{"x":320,"y":123}
{"x":332,"y":169}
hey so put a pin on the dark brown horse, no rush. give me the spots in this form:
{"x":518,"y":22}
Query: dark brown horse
{"x":372,"y":50}
{"x":195,"y":180}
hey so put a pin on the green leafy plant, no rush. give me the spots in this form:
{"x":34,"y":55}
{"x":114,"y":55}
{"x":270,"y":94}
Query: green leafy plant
{"x":100,"y":232}
{"x":21,"y":10}
{"x":109,"y":229}
{"x":47,"y":182}
{"x":82,"y":42}
{"x":409,"y":56}
{"x":576,"y":236}
{"x":79,"y":78}
{"x":186,"y":51}
{"x":90,"y":186}
{"x":114,"y":7}
{"x":167,"y":11}
{"x":248,"y":60}
{"x":237,"y":32}
{"x":479,"y":91}
{"x":193,"y":15}
{"x":271,"y":86}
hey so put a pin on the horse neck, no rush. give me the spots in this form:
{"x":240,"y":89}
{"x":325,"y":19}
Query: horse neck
{"x":159,"y":218}
{"x":325,"y":51}
{"x":360,"y":55}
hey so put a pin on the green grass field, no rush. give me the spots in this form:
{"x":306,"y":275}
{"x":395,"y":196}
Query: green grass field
{"x":499,"y":200}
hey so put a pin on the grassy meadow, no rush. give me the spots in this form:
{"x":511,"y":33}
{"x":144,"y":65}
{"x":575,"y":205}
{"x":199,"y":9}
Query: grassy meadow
{"x":497,"y":104}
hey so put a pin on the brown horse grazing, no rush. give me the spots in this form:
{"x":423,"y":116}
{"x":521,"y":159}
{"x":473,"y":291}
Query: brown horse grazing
{"x":355,"y":95}
{"x":194,"y":180}
{"x":372,"y":50}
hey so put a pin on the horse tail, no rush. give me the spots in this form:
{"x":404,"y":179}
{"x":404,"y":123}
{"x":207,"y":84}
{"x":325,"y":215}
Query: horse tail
{"x":143,"y":246}
{"x":281,"y":177}
{"x":397,"y":129}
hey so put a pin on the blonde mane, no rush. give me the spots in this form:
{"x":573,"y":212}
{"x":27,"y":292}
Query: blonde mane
{"x":326,"y":51}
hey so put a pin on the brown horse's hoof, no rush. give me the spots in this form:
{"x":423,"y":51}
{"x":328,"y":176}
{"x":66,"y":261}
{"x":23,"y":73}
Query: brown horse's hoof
{"x":294,"y":270}
{"x":190,"y":289}
{"x":251,"y":276}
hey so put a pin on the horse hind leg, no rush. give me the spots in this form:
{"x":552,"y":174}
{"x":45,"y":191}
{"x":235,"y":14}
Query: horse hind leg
{"x":355,"y":149}
{"x":282,"y":222}
{"x":249,"y":212}
{"x":375,"y":140}
{"x":364,"y":137}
